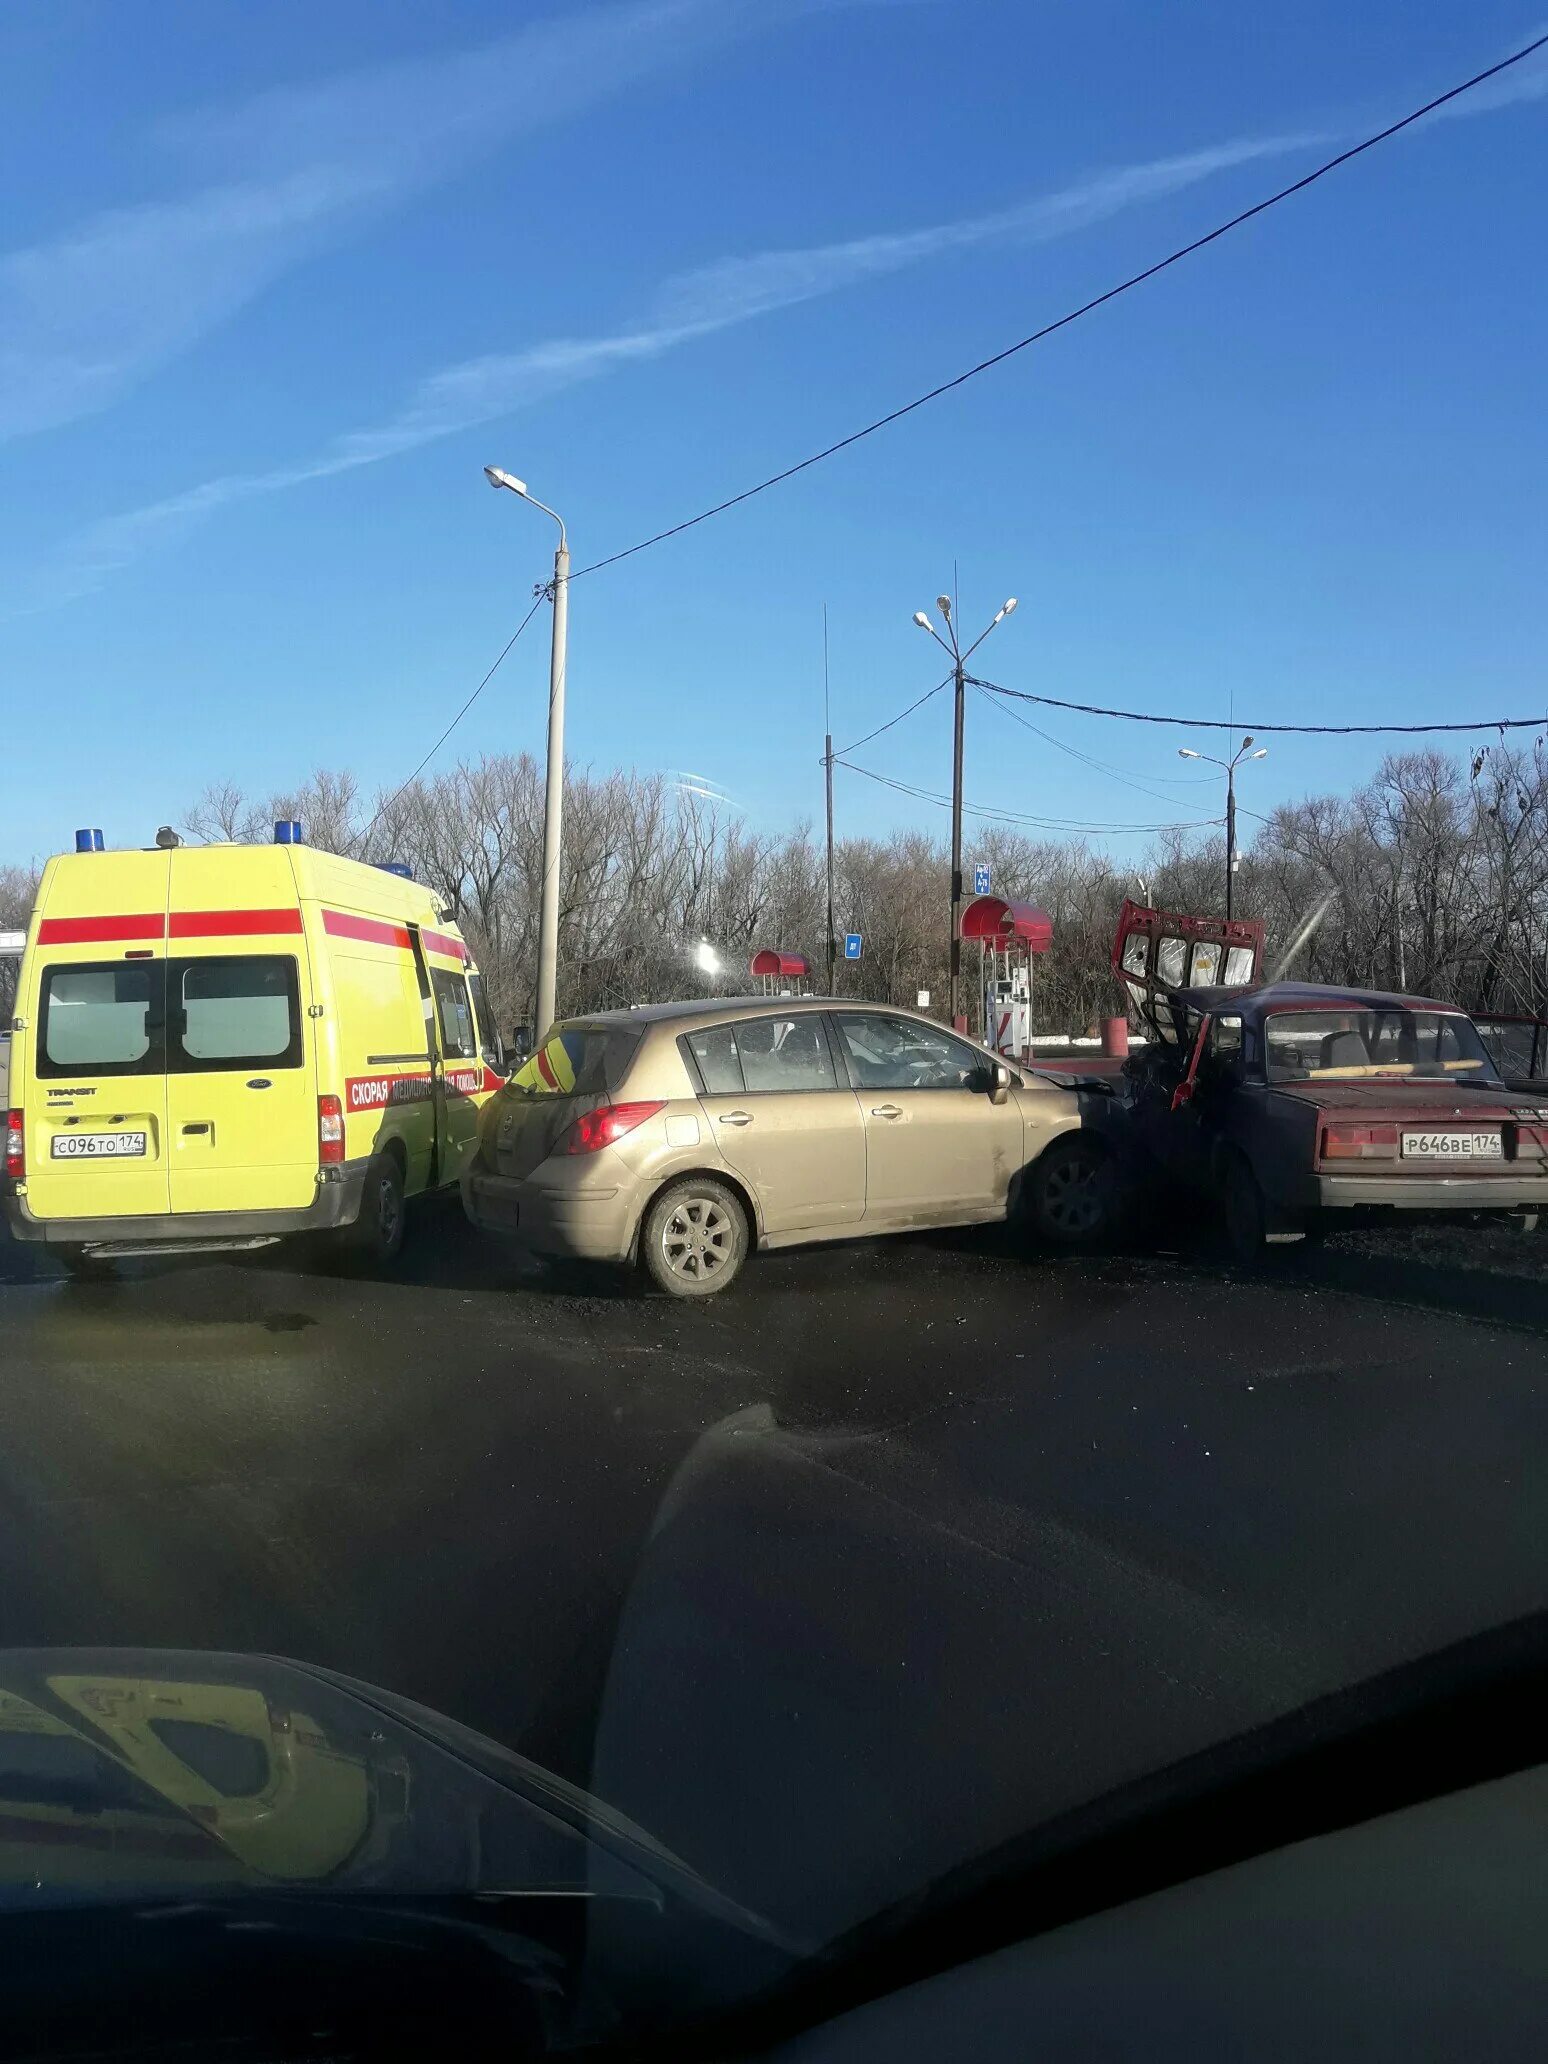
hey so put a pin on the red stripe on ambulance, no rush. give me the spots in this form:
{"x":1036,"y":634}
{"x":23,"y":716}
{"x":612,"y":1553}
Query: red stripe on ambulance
{"x":87,"y":931}
{"x":443,"y":942}
{"x":344,"y":925}
{"x":231,"y":924}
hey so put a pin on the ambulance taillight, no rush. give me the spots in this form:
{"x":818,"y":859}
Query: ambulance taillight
{"x":330,"y":1131}
{"x":15,"y":1146}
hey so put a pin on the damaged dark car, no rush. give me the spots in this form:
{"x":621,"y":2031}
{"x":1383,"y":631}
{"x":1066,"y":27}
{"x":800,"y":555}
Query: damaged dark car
{"x":1293,"y":1106}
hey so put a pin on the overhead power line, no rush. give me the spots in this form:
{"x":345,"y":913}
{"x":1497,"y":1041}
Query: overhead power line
{"x":1098,"y":766}
{"x":1074,"y":315}
{"x":1094,"y":709}
{"x":383,"y":808}
{"x":1017,"y":817}
{"x":902,"y":713}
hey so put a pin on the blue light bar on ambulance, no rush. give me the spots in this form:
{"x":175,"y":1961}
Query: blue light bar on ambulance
{"x":398,"y":867}
{"x":287,"y":831}
{"x":88,"y":842}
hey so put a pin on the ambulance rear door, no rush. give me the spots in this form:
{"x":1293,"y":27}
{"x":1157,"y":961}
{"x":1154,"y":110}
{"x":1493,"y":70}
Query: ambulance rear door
{"x":241,"y":1073}
{"x":88,"y":1062}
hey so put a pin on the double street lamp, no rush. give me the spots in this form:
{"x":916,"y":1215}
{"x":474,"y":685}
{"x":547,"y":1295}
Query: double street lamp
{"x":959,"y":660}
{"x":1243,"y":752}
{"x":553,"y":794}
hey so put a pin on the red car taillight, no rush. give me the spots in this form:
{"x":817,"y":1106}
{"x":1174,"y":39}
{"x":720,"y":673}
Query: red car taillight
{"x":330,"y":1131}
{"x":605,"y":1125}
{"x":1346,"y":1141}
{"x":15,"y":1146}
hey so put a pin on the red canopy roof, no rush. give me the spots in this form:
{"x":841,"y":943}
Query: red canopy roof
{"x":768,"y":960}
{"x":990,"y":917}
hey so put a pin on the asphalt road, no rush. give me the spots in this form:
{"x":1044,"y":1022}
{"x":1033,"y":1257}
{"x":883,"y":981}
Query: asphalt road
{"x":892,"y":1550}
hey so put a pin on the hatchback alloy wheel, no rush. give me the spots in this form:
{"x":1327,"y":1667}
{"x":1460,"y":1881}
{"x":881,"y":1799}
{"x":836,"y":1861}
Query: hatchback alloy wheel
{"x":1073,"y":1195}
{"x":697,"y":1239}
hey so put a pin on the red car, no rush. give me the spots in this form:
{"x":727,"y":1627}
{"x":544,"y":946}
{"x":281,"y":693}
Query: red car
{"x":1296,"y":1105}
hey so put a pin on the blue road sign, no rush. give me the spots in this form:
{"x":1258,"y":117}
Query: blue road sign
{"x":851,"y":945}
{"x":980,"y":881}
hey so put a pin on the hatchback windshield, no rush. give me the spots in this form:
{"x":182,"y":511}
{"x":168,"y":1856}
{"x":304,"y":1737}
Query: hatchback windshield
{"x":1305,"y":1046}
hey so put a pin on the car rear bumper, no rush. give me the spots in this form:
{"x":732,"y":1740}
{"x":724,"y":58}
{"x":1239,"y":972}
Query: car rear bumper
{"x":336,"y":1204}
{"x":1434,"y":1192}
{"x":591,"y":1224}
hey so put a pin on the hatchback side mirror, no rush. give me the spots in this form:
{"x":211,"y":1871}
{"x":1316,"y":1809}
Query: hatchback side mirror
{"x":999,"y":1083}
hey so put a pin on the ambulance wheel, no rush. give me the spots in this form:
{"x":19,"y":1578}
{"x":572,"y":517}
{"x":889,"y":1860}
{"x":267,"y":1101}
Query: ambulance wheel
{"x":694,"y":1239}
{"x":84,"y":1267}
{"x":377,"y":1233}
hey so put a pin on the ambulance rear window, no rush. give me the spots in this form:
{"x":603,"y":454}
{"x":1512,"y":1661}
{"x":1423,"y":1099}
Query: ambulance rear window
{"x":234,"y":1011}
{"x":100,"y":1020}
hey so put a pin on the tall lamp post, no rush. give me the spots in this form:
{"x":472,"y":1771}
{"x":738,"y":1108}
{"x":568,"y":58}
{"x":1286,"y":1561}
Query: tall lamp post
{"x":1243,"y":752}
{"x":553,"y":793}
{"x":959,"y":660}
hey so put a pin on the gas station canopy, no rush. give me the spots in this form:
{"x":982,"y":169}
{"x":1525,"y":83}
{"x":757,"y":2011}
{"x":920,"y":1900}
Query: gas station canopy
{"x":1004,"y":924}
{"x":768,"y":960}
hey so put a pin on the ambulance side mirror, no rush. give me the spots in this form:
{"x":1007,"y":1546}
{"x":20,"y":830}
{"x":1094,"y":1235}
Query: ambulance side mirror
{"x":521,"y":1042}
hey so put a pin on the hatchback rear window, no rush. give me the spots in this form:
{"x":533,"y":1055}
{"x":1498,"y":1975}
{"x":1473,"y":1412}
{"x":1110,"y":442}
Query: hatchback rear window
{"x":100,"y":1020}
{"x":579,"y":1060}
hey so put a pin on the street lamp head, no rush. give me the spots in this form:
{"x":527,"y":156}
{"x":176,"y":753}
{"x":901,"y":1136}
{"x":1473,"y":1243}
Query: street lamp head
{"x":1186,"y":752}
{"x":1260,"y":754}
{"x":1247,"y":741}
{"x":943,"y":604}
{"x":923,"y":621}
{"x":498,"y":477}
{"x":1010,"y":607}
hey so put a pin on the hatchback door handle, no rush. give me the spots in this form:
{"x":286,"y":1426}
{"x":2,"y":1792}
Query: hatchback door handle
{"x":736,"y":1117}
{"x":886,"y":1110}
{"x":200,"y":1128}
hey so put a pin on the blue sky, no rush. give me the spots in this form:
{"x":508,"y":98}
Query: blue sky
{"x":278,"y":281}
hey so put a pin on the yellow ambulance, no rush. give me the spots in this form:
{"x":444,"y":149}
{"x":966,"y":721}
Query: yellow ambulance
{"x":215,"y":1046}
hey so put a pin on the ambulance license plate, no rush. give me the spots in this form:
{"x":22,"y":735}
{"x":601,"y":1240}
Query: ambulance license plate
{"x":96,"y":1146}
{"x":1454,"y":1146}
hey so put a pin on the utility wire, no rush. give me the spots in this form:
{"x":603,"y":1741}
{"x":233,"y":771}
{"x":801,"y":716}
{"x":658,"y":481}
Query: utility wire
{"x":1074,"y":315}
{"x":1092,"y":709}
{"x":1099,"y":766}
{"x":537,"y":601}
{"x":1018,"y":817}
{"x":902,"y":713}
{"x":998,"y":358}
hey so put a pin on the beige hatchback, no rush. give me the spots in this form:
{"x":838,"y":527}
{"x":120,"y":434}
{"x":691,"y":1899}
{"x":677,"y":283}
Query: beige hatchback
{"x":683,"y":1134}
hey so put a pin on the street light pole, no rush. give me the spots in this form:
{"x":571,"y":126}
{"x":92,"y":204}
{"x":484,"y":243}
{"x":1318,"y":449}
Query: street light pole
{"x":1243,"y":752}
{"x":1230,"y":838}
{"x":959,"y":660}
{"x":553,"y":793}
{"x":827,"y":762}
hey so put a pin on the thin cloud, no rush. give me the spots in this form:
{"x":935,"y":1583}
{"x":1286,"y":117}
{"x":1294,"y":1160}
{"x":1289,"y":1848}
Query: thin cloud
{"x":285,"y":174}
{"x":695,"y":305}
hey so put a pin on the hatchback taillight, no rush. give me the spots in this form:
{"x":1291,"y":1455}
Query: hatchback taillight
{"x":330,"y":1131}
{"x":606,"y":1124}
{"x":15,"y":1146}
{"x":1343,"y":1140}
